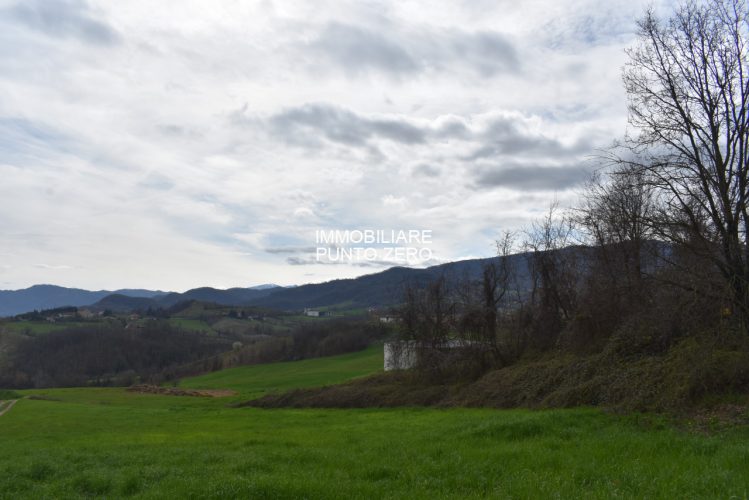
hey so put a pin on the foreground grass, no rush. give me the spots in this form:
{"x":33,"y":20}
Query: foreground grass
{"x":175,"y":449}
{"x":112,"y":443}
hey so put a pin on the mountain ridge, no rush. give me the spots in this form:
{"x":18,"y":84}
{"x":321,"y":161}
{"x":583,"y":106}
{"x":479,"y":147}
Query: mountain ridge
{"x":46,"y":296}
{"x":382,"y":288}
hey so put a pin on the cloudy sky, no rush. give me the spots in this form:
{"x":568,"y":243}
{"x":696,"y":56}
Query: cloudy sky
{"x":176,"y":144}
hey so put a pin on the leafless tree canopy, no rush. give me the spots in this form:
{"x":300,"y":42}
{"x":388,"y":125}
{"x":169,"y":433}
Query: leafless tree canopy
{"x":688,"y":90}
{"x":657,"y":249}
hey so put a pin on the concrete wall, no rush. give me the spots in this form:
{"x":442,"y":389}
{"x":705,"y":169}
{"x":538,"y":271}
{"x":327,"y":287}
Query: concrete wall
{"x":399,"y":355}
{"x":404,"y":354}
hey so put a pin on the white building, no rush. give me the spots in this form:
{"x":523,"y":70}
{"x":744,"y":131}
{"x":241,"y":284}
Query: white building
{"x":400,"y":355}
{"x":404,"y":354}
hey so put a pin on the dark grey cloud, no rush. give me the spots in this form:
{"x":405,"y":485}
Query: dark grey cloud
{"x":488,"y":52}
{"x":306,"y":124}
{"x":315,"y":126}
{"x":173,"y":130}
{"x":503,"y":137}
{"x":298,"y":261}
{"x":62,"y":19}
{"x":399,"y":52}
{"x":427,"y":170}
{"x":358,"y":50}
{"x":290,"y":250}
{"x":531,"y":177}
{"x":453,"y":128}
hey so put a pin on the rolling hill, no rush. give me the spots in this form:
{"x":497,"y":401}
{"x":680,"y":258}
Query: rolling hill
{"x":229,"y":297}
{"x":39,"y":297}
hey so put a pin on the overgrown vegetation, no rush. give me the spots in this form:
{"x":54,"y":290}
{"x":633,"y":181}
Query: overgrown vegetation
{"x":681,"y":380}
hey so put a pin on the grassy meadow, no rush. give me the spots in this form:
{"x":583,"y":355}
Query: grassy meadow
{"x":106,"y":442}
{"x":255,"y":380}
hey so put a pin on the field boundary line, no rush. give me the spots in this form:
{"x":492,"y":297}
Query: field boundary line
{"x":8,"y":407}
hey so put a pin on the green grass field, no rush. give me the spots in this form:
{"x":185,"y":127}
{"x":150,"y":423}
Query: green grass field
{"x":39,"y":327}
{"x":111,"y":443}
{"x":193,"y":325}
{"x":254,"y":380}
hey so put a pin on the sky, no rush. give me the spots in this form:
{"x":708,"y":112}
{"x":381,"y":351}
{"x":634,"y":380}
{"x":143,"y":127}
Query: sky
{"x":175,"y":144}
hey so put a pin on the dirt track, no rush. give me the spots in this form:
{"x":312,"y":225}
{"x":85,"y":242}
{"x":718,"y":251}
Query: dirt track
{"x":8,"y":407}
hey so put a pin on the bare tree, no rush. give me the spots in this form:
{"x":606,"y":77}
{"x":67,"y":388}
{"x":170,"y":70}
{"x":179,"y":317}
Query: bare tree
{"x":483,"y":313}
{"x":616,"y":211}
{"x":515,"y":294}
{"x":452,"y":325}
{"x":554,"y":273}
{"x":688,"y":91}
{"x":427,"y":318}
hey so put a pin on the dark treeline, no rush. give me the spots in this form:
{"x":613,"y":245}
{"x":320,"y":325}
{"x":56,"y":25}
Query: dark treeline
{"x":70,"y":313}
{"x":104,"y":354}
{"x":111,"y":353}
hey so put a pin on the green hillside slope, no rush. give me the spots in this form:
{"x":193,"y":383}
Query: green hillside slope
{"x":255,"y":380}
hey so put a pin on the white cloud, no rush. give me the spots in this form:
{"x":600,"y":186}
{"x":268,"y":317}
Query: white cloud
{"x":174,"y":144}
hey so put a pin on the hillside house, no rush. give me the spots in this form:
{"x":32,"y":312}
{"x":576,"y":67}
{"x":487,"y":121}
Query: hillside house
{"x":86,"y":313}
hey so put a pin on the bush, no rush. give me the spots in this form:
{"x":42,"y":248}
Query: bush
{"x":7,"y":394}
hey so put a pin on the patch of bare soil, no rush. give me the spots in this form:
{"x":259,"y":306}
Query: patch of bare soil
{"x":725,"y":415}
{"x":40,"y":397}
{"x":176,"y":391}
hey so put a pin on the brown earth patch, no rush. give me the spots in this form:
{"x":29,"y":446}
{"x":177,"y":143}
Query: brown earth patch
{"x":176,"y":391}
{"x":719,"y":416}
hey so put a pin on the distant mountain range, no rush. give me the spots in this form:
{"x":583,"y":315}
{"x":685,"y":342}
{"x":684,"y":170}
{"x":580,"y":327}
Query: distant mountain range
{"x":120,"y":302}
{"x":380,"y":289}
{"x":39,"y":297}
